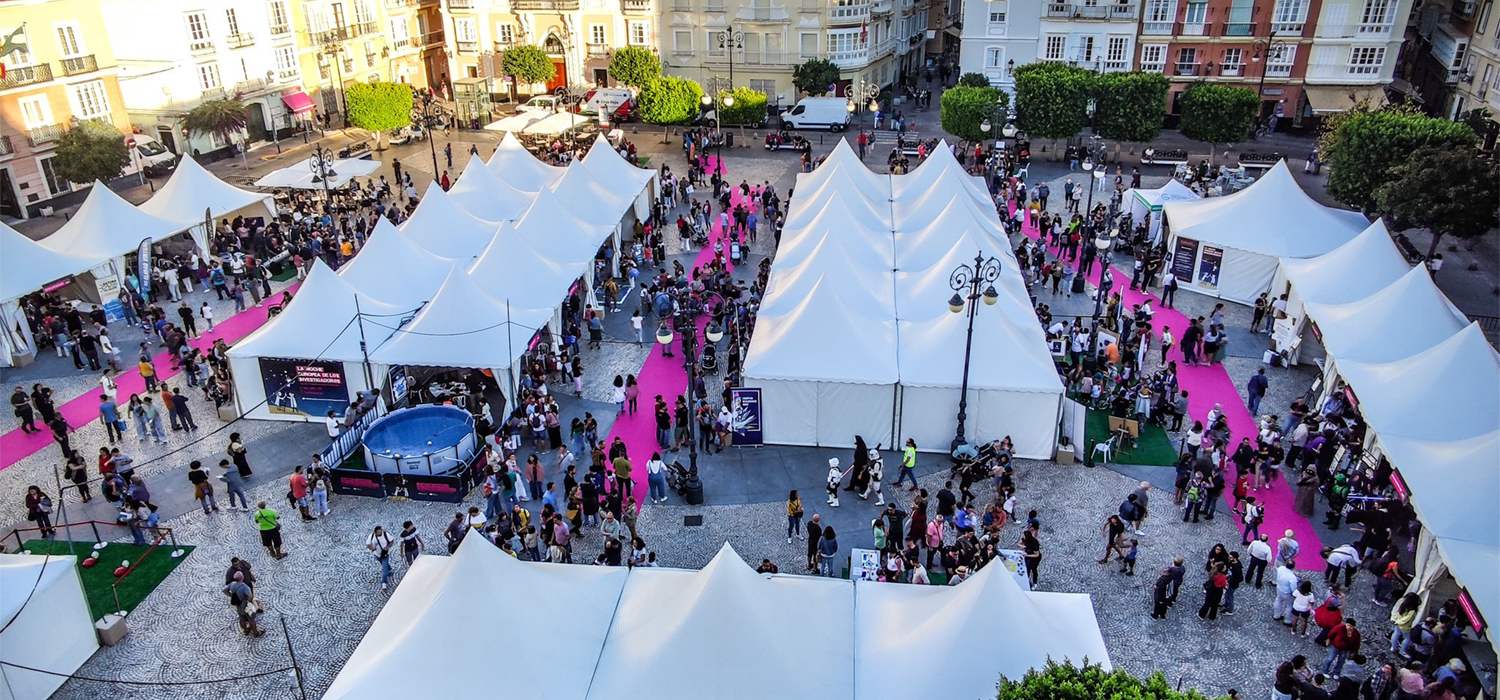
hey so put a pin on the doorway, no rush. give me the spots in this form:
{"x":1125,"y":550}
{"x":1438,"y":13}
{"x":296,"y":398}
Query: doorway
{"x":10,"y":205}
{"x":601,"y":77}
{"x":255,"y":122}
{"x":164,"y":135}
{"x":559,"y":75}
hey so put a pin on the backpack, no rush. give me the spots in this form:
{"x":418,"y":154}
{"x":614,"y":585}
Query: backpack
{"x":1252,"y":515}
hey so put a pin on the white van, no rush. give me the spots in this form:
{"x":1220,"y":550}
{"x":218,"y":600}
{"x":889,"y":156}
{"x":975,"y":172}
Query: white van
{"x":614,"y":102}
{"x":150,"y":155}
{"x":831,"y":113}
{"x":540,"y":103}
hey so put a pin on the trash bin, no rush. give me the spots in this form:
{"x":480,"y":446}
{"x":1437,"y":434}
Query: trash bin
{"x":694,"y":495}
{"x":729,"y":139}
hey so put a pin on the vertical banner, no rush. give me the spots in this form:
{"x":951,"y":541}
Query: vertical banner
{"x":143,"y":268}
{"x":304,"y":387}
{"x":1014,"y":561}
{"x":108,"y":287}
{"x":1209,"y":266}
{"x":1184,"y":257}
{"x":747,"y":424}
{"x":396,"y":378}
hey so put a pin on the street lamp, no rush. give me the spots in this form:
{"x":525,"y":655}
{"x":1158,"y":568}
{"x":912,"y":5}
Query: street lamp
{"x":429,"y":117}
{"x":966,"y":281}
{"x":1271,"y":49}
{"x":860,"y":92}
{"x":321,"y":164}
{"x":730,"y":40}
{"x":725,"y":98}
{"x":335,"y":53}
{"x":686,"y":323}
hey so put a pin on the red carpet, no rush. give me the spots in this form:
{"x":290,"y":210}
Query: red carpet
{"x":1206,"y":386}
{"x":16,"y":445}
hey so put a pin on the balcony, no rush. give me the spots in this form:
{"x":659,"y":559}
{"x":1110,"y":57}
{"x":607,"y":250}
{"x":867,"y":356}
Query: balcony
{"x":1237,"y":29}
{"x":1156,"y":28}
{"x":433,"y":38}
{"x":768,"y":58}
{"x":26,"y":75}
{"x":1354,"y":31}
{"x":1068,"y":10}
{"x":1287,"y":28}
{"x":6,"y":147}
{"x":1187,"y":70}
{"x":44,"y":134}
{"x":1342,"y":71}
{"x":253,"y":85}
{"x":849,"y":14}
{"x":202,"y":46}
{"x":287,"y":74}
{"x":279,"y":31}
{"x":460,"y":4}
{"x":1192,"y":29}
{"x":239,"y":40}
{"x":344,"y":33}
{"x":635,"y":7}
{"x":214,"y":94}
{"x":399,"y":5}
{"x":543,"y":5}
{"x":881,"y":7}
{"x":598,"y":50}
{"x":1232,"y":70}
{"x":400,"y":44}
{"x":467,"y":46}
{"x":1116,"y":66}
{"x":78,"y":65}
{"x":763,"y":14}
{"x":1150,"y":67}
{"x":847,"y":59}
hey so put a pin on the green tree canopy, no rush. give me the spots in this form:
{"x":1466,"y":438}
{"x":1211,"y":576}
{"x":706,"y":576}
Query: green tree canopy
{"x":1089,"y":682}
{"x":222,"y":118}
{"x":671,"y":100}
{"x":93,"y":150}
{"x":378,"y":106}
{"x":1328,"y":126}
{"x":526,"y":64}
{"x":965,"y":108}
{"x":1130,"y":106}
{"x":749,"y":108}
{"x":1052,"y":99}
{"x":634,"y":66}
{"x":973,"y":80}
{"x":1445,"y":188}
{"x":1370,"y":145}
{"x":1217,"y":114}
{"x":814,"y":75}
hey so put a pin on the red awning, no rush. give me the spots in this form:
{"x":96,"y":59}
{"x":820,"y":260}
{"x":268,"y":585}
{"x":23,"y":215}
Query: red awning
{"x":298,"y":102}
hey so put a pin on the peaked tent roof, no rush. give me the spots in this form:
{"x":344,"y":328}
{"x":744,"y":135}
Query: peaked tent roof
{"x":394,"y":269}
{"x":940,"y":169}
{"x":1272,"y":217}
{"x":192,"y":188}
{"x":480,"y":193}
{"x":822,"y":318}
{"x":423,"y":624}
{"x":593,"y":201}
{"x":511,"y":270}
{"x":107,"y":226}
{"x":1409,"y":316}
{"x":1431,"y":395}
{"x":557,"y":123}
{"x":606,"y":164}
{"x":517,"y":167}
{"x":843,"y":169}
{"x":26,"y":265}
{"x":300,"y":176}
{"x":1366,"y":264}
{"x":867,"y":245}
{"x":445,"y":229}
{"x":1173,"y":191}
{"x":551,"y":227}
{"x":321,"y":322}
{"x":461,"y":327}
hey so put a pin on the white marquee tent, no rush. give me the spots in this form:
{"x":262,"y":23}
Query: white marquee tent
{"x":512,"y":270}
{"x":461,"y":327}
{"x":611,"y":169}
{"x":393,"y":269}
{"x":1142,"y":202}
{"x":556,"y":123}
{"x":302,"y":176}
{"x":26,"y":265}
{"x":1236,"y":242}
{"x":516,"y":122}
{"x":1442,"y":393}
{"x":488,"y":196}
{"x":46,"y":621}
{"x":1366,"y":264}
{"x":107,"y":226}
{"x":677,"y":634}
{"x":522,"y":170}
{"x":193,"y":191}
{"x":1405,"y":318}
{"x":445,"y":229}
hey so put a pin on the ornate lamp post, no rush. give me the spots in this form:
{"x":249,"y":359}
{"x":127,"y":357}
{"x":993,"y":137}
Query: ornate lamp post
{"x":1271,"y":49}
{"x":966,"y":281}
{"x":685,"y":321}
{"x":862,"y":93}
{"x":430,"y":112}
{"x":730,"y":40}
{"x":321,"y":164}
{"x":725,"y":98}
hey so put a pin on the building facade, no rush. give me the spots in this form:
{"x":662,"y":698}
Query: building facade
{"x":340,"y":42}
{"x":59,"y":69}
{"x":1452,"y":59}
{"x":1096,"y":34}
{"x":1479,"y":79}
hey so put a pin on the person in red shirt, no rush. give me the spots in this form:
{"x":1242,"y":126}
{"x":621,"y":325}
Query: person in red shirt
{"x":1343,"y":642}
{"x":1213,"y":593}
{"x":299,"y":492}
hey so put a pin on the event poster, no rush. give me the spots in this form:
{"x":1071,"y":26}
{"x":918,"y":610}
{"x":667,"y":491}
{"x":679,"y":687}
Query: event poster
{"x":1183,"y":258}
{"x":1014,"y":561}
{"x":1208,"y":267}
{"x":864,"y":565}
{"x":747,"y":426}
{"x":304,"y":387}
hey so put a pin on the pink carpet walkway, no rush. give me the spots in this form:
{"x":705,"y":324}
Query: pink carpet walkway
{"x":1206,"y":386}
{"x":664,"y":376}
{"x":16,"y":445}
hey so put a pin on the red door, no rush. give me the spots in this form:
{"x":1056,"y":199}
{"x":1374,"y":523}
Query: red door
{"x":559,"y":75}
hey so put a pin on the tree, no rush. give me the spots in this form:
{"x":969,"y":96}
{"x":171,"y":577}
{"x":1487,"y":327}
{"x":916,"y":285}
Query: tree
{"x":815,"y":76}
{"x":1130,"y":106}
{"x":749,"y":108}
{"x":1089,"y":682}
{"x":634,"y":66}
{"x":965,"y":108}
{"x":1328,"y":127}
{"x":1052,"y":99}
{"x":1370,"y":145}
{"x":93,"y":150}
{"x":1446,"y":189}
{"x":669,"y":100}
{"x":526,"y":64}
{"x":1216,"y":114}
{"x":973,"y":80}
{"x":378,"y":107}
{"x":224,"y":119}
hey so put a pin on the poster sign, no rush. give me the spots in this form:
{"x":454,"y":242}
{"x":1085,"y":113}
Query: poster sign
{"x":399,"y":385}
{"x":1183,"y":258}
{"x":143,"y":266}
{"x":109,"y":296}
{"x":304,"y":387}
{"x":747,"y":424}
{"x":864,"y":565}
{"x":1209,"y":266}
{"x":1014,"y":561}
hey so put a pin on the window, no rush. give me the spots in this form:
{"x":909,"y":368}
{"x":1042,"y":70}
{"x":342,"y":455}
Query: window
{"x":1055,"y":45}
{"x":1115,"y":54}
{"x":1159,"y":16}
{"x":712,"y":42}
{"x":400,"y":31}
{"x":765,"y":87}
{"x":1234,"y":61}
{"x":807,"y":45}
{"x":276,"y":11}
{"x":1366,"y":60}
{"x":640,"y":33}
{"x":21,"y":56}
{"x":1084,"y":54}
{"x":994,"y":57}
{"x":35,"y":112}
{"x":1280,"y":61}
{"x":69,"y":40}
{"x":286,"y":61}
{"x":1194,"y":20}
{"x":55,"y":185}
{"x":1153,"y":57}
{"x":1482,"y":25}
{"x":682,"y":41}
{"x":1377,"y":13}
{"x":1187,"y":61}
{"x":843,"y":41}
{"x":464,"y":30}
{"x":197,"y":26}
{"x":323,"y":68}
{"x":369,"y":53}
{"x":89,"y":100}
{"x":361,"y":12}
{"x":997,"y":17}
{"x":233,"y":21}
{"x":1289,"y":16}
{"x":507,"y":33}
{"x":208,"y":76}
{"x":596,"y":34}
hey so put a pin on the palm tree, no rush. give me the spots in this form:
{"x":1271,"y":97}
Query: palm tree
{"x":222,"y":118}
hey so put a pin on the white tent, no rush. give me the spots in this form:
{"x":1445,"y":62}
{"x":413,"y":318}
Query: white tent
{"x":1409,"y":316}
{"x":107,"y":226}
{"x":594,"y":201}
{"x":550,"y":226}
{"x":844,"y":168}
{"x":26,"y":265}
{"x":1366,"y":264}
{"x":481,"y":193}
{"x":393,"y":269}
{"x":517,"y":167}
{"x":303,"y":176}
{"x":556,"y":123}
{"x":461,"y":327}
{"x":616,"y":174}
{"x":421,"y":645}
{"x":192,"y":189}
{"x":1442,"y":393}
{"x":1143,"y":202}
{"x":1235,"y":243}
{"x":930,"y":627}
{"x":46,"y":621}
{"x":516,"y":122}
{"x":445,"y":229}
{"x":940,"y":171}
{"x":511,"y":270}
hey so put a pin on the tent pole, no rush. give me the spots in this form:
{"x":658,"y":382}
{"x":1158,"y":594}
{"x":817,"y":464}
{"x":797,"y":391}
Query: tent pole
{"x":364,"y":350}
{"x":510,"y":352}
{"x":296,"y":670}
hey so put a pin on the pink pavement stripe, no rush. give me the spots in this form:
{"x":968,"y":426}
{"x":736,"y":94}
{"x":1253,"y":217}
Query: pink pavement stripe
{"x":16,"y":445}
{"x":1206,"y":386}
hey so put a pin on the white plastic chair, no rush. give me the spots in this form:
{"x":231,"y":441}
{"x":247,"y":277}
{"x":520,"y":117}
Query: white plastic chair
{"x":1107,"y":447}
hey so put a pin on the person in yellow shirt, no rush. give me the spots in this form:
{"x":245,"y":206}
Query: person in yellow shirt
{"x":148,"y":373}
{"x":346,"y":248}
{"x":908,"y":464}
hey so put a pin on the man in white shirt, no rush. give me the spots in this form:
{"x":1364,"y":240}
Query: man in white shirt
{"x":1286,"y":586}
{"x":1278,"y":310}
{"x":1346,"y":557}
{"x":334,"y":426}
{"x":1260,"y":558}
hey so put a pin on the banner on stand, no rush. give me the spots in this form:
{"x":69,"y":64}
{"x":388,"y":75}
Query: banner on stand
{"x":304,"y":387}
{"x":1210,"y":266}
{"x":1184,"y":257}
{"x":748,"y":429}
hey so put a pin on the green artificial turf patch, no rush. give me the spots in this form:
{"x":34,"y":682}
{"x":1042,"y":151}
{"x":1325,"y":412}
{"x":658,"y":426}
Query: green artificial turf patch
{"x":1153,"y":448}
{"x":99,"y":579}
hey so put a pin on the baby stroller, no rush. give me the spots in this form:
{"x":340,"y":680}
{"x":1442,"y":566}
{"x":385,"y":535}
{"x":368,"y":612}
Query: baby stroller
{"x":700,"y":236}
{"x":708,"y":362}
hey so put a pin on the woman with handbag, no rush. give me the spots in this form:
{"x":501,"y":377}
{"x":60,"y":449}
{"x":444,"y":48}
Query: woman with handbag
{"x":39,"y":510}
{"x":76,"y":472}
{"x":239,"y":454}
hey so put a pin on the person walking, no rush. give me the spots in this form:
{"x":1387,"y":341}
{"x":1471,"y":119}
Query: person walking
{"x":380,"y":545}
{"x":793,"y":515}
{"x":1260,"y":557}
{"x":908,"y":465}
{"x":20,"y":404}
{"x":268,"y":521}
{"x":238,"y":453}
{"x":39,"y":510}
{"x":1031,"y":551}
{"x":180,"y":413}
{"x":814,"y":534}
{"x":834,"y":477}
{"x":828,"y":549}
{"x":242,"y":599}
{"x":234,"y":485}
{"x":203,"y":489}
{"x":1164,"y":593}
{"x":1255,"y":390}
{"x":656,"y":478}
{"x":1286,"y":588}
{"x":411,"y":543}
{"x":109,"y":415}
